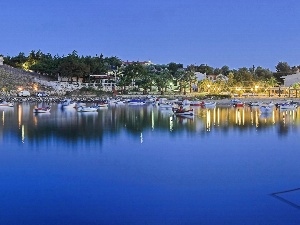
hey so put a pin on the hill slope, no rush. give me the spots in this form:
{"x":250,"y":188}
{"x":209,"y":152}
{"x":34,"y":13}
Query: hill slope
{"x":12,"y":78}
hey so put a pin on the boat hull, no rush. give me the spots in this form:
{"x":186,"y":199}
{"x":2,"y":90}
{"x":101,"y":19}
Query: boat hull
{"x":41,"y":110}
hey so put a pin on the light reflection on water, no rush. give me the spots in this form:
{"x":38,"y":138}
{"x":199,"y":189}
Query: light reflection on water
{"x":139,"y":165}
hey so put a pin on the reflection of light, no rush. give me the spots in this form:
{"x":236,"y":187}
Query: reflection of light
{"x":19,"y":115}
{"x":251,"y":117}
{"x":283,"y":118}
{"x":141,"y":138}
{"x":208,"y":120}
{"x":243,"y":116}
{"x":23,"y":133}
{"x":218,"y":116}
{"x":152,"y":120}
{"x":238,"y":117}
{"x":256,"y":119}
{"x":3,"y":117}
{"x":171,"y":123}
{"x":214,"y":116}
{"x":35,"y":120}
{"x":273,"y":117}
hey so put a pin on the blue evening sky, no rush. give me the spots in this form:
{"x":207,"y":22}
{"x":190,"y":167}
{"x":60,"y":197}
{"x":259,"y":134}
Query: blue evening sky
{"x":236,"y":33}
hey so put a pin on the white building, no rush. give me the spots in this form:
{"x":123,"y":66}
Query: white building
{"x":289,"y":80}
{"x":1,"y":61}
{"x":200,"y":76}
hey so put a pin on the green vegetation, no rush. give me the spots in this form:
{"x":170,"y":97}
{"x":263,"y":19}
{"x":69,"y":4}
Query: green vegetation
{"x":163,"y":78}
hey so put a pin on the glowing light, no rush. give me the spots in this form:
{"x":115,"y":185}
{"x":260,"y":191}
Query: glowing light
{"x":171,"y":123}
{"x":218,"y":114}
{"x":23,"y":133}
{"x":208,"y":120}
{"x":142,"y":140}
{"x":20,"y":115}
{"x":152,"y":120}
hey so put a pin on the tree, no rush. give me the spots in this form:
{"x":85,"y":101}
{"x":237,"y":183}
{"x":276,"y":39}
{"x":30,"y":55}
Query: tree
{"x":243,"y":75}
{"x":217,"y":71}
{"x":225,"y":70}
{"x":231,"y":80}
{"x":262,"y":73}
{"x":174,"y":67}
{"x":162,"y":78}
{"x":46,"y":65}
{"x":16,"y":61}
{"x":129,"y":74}
{"x":204,"y":68}
{"x":145,"y":76}
{"x":205,"y":85}
{"x":72,"y":66}
{"x":283,"y":67}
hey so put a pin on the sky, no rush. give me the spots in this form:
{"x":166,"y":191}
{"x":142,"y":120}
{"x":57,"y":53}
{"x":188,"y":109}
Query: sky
{"x":236,"y":33}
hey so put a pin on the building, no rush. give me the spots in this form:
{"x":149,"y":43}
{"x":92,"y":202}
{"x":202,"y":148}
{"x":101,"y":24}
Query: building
{"x":292,"y":79}
{"x":108,"y":82}
{"x":1,"y":61}
{"x":200,"y":76}
{"x":144,"y":63}
{"x":211,"y":77}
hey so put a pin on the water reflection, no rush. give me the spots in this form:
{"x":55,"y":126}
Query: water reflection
{"x":71,"y":125}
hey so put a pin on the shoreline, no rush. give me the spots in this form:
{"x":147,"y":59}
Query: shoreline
{"x":91,"y":98}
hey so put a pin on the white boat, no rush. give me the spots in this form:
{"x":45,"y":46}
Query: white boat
{"x":288,"y":106}
{"x":115,"y":102}
{"x":102,"y":105}
{"x":254,"y":104}
{"x":87,"y":109}
{"x":265,"y":109}
{"x":78,"y":104}
{"x":210,"y":104}
{"x":136,"y":102}
{"x":195,"y":103}
{"x":186,"y":102}
{"x":270,"y":104}
{"x":68,"y":103}
{"x":42,"y":109}
{"x":6,"y":104}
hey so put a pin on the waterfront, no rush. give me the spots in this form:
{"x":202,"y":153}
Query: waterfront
{"x":141,"y":165}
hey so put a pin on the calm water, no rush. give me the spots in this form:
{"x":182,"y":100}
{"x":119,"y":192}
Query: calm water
{"x":139,"y":165}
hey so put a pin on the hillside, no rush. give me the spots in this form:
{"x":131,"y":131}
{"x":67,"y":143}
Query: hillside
{"x":11,"y":79}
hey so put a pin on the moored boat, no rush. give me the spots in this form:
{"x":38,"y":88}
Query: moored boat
{"x":254,"y":104}
{"x":87,"y":109}
{"x":237,"y":103}
{"x":136,"y":102}
{"x":195,"y":103}
{"x":6,"y":104}
{"x":183,"y":112}
{"x":265,"y":109}
{"x":68,"y":103}
{"x":209,"y":104}
{"x":42,"y":109}
{"x":288,"y":106}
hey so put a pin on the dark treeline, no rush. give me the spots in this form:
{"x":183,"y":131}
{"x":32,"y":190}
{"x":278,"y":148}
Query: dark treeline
{"x":71,"y":65}
{"x":145,"y":77}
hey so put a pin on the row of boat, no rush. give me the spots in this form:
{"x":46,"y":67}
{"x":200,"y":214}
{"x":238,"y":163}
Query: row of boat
{"x":162,"y":103}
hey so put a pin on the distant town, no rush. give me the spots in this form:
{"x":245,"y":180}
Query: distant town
{"x":60,"y":75}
